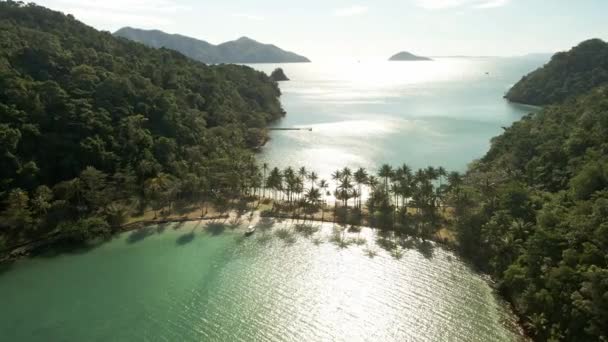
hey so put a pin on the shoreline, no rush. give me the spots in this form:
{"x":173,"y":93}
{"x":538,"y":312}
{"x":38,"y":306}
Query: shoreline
{"x":31,"y":248}
{"x":253,"y":217}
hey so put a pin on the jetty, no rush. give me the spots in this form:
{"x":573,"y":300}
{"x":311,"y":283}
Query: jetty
{"x":291,"y":129}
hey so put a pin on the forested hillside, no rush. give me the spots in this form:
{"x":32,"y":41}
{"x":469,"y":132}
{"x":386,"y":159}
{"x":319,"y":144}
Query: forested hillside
{"x":92,"y":125}
{"x":242,"y":50}
{"x":567,"y":75}
{"x":534,"y":214}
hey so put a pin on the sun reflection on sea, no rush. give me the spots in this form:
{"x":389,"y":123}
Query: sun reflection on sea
{"x":363,"y":114}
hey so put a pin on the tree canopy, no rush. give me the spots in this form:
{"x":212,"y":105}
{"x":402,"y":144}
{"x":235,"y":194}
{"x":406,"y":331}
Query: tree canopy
{"x":86,"y":117}
{"x":568,"y":74}
{"x":536,"y":218}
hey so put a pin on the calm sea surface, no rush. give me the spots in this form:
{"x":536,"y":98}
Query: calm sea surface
{"x":206,"y":282}
{"x":440,"y":113}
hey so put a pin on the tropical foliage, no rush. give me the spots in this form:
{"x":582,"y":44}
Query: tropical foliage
{"x":92,"y":125}
{"x":535,"y":216}
{"x":569,"y":74}
{"x":394,"y":198}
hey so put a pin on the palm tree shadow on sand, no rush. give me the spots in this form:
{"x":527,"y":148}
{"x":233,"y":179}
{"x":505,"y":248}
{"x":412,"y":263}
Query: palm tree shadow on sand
{"x":265,"y":224}
{"x":215,"y":228}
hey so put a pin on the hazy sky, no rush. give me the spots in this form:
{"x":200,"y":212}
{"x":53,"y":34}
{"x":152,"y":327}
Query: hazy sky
{"x":362,"y":29}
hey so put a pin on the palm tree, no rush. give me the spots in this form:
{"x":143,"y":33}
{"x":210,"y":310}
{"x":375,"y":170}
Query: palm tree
{"x":264,"y":170}
{"x":157,"y":189}
{"x":442,"y":173}
{"x":275,"y":182}
{"x":386,"y":171}
{"x":345,"y":189}
{"x":431,"y":173}
{"x":313,"y":178}
{"x":346,"y":172}
{"x":303,"y":173}
{"x":289,"y":177}
{"x":454,"y":185}
{"x":336,"y":177}
{"x":313,"y":196}
{"x":323,"y":185}
{"x":298,"y":188}
{"x":361,"y":177}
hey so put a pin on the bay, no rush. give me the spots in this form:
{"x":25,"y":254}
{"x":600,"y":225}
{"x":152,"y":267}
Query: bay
{"x":364,"y":114}
{"x":204,"y":281}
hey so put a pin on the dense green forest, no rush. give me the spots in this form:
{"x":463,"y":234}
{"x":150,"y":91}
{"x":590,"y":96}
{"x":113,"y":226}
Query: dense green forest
{"x":94,"y":128}
{"x":534,"y":214}
{"x":568,"y":74}
{"x":92,"y":125}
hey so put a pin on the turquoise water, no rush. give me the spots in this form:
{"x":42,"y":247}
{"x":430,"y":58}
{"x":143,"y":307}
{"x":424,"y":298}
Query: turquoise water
{"x":206,"y":282}
{"x":440,"y":113}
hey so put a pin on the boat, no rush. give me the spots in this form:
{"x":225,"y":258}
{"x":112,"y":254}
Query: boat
{"x":250,"y":230}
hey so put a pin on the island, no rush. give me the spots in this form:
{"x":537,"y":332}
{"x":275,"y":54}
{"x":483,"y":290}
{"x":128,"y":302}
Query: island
{"x":100,"y":135}
{"x":243,"y":50}
{"x":407,"y":56}
{"x":278,"y":75}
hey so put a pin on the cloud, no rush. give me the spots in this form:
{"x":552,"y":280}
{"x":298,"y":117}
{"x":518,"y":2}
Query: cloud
{"x":111,"y":14}
{"x":350,"y":11}
{"x":492,"y":3}
{"x":248,"y":16}
{"x":446,"y":4}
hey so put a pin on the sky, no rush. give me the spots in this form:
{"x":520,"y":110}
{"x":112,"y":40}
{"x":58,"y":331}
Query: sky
{"x":328,"y":29}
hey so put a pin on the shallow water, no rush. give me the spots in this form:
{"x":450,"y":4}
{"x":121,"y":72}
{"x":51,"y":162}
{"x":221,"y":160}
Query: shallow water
{"x":439,"y":113}
{"x":206,"y":282}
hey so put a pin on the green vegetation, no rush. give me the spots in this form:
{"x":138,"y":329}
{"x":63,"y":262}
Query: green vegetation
{"x":242,"y":50}
{"x":534,"y":215}
{"x":94,"y":127}
{"x":409,"y":202}
{"x":569,"y":74}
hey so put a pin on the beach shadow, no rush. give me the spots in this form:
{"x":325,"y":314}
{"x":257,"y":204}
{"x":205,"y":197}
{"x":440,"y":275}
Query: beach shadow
{"x":178,"y":225}
{"x":264,"y":239}
{"x":160,"y":228}
{"x":142,"y":233}
{"x":185,"y":239}
{"x":286,"y":236}
{"x":6,"y":266}
{"x":215,"y":228}
{"x":306,"y":229}
{"x":370,"y":253}
{"x":234,"y":223}
{"x":265,"y":224}
{"x":426,"y":248}
{"x":68,"y":246}
{"x":340,"y":241}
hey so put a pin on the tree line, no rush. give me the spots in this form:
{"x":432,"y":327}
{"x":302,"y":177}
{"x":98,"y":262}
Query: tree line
{"x":535,"y":217}
{"x":91,"y":124}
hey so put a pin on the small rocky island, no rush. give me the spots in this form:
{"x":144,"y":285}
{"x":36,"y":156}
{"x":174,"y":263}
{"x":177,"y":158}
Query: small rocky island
{"x":406,"y":56}
{"x":278,"y":75}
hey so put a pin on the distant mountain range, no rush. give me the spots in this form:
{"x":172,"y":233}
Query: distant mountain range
{"x":406,"y":56}
{"x":242,"y":50}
